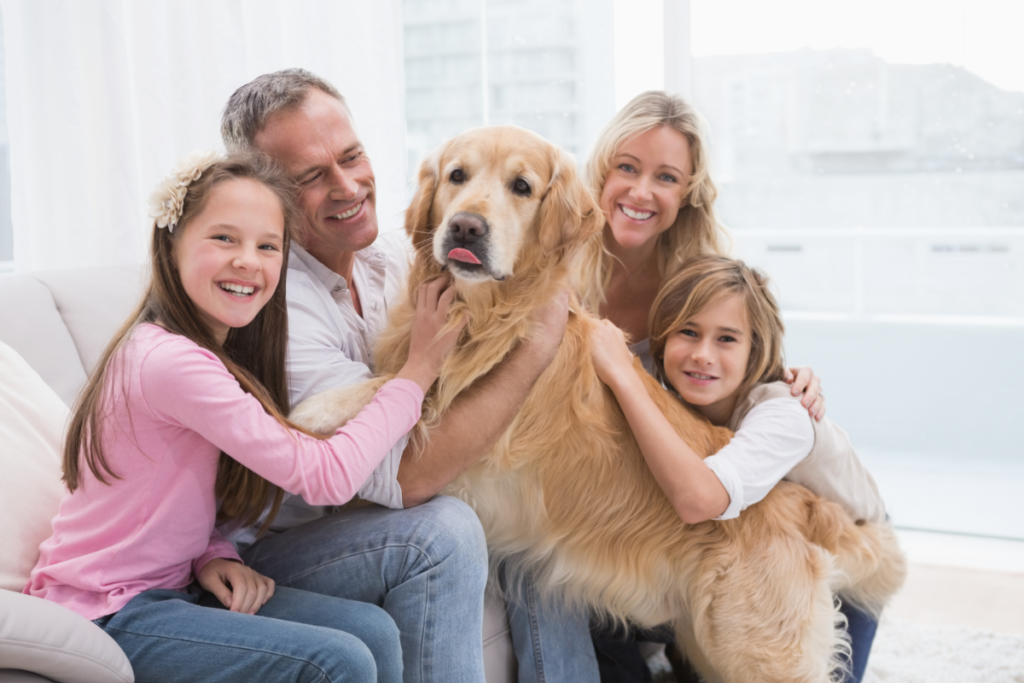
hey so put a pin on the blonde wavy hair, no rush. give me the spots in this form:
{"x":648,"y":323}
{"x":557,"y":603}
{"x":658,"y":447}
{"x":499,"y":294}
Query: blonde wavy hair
{"x":696,"y":230}
{"x":704,"y":281}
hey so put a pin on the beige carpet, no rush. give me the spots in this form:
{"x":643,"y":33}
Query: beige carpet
{"x":909,"y":652}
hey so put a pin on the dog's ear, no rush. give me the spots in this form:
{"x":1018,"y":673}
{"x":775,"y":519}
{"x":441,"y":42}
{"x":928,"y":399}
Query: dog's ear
{"x":417,"y":216}
{"x":568,"y":212}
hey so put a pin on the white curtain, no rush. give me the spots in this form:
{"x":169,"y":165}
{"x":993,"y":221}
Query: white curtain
{"x":104,"y":95}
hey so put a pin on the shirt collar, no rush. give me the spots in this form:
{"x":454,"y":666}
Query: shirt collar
{"x":371,"y":255}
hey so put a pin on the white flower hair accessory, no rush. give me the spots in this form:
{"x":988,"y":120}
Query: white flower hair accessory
{"x":167,"y":200}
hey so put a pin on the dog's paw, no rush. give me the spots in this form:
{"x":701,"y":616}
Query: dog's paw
{"x":326,"y":412}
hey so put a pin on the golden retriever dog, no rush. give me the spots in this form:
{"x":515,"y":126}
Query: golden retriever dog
{"x":565,"y":493}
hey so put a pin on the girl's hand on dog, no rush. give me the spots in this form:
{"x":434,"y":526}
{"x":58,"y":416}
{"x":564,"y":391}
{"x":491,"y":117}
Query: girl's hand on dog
{"x":431,"y":341}
{"x":239,"y":588}
{"x":610,"y":353}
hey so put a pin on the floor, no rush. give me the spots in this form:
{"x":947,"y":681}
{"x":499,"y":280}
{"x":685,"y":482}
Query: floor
{"x":962,"y":580}
{"x":953,"y":580}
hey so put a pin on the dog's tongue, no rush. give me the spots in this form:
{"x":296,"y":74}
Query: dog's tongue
{"x":464,"y":255}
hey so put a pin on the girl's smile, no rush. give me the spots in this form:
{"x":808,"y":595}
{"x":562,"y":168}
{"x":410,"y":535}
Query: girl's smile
{"x":699,"y":379}
{"x":230,"y":256}
{"x":706,"y":360}
{"x":238,"y":289}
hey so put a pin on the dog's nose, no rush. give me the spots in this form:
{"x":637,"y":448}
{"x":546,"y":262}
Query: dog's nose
{"x":467,"y":227}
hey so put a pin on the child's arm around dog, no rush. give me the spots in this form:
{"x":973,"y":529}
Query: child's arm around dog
{"x":185,"y":384}
{"x":693,"y":489}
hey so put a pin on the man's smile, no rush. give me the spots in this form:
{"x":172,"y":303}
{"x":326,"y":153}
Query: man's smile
{"x":348,"y":214}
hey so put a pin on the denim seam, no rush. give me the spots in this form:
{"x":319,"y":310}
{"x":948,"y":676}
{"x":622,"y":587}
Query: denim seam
{"x":423,"y":626}
{"x":323,"y":674}
{"x":538,"y":655}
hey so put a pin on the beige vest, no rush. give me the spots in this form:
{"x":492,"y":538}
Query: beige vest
{"x":832,"y":469}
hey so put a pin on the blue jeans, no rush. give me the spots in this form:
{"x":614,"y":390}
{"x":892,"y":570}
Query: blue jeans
{"x":621,"y":662}
{"x":552,"y":642}
{"x":170,"y":636}
{"x":426,"y":566}
{"x":862,"y":627}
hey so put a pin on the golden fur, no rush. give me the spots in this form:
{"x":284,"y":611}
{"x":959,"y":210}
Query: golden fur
{"x":566,"y":493}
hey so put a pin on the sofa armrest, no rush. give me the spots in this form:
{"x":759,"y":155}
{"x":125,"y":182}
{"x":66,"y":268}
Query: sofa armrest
{"x":42,"y":637}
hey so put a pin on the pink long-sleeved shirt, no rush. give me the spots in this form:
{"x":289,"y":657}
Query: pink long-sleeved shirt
{"x":154,"y":526}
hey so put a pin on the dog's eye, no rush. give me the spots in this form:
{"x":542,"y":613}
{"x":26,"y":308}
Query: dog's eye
{"x":521,"y":187}
{"x":457,"y":176}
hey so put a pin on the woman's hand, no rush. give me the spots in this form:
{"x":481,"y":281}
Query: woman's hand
{"x":548,"y":329}
{"x":610,"y":353}
{"x":804,"y":381}
{"x":239,"y":588}
{"x":430,"y":343}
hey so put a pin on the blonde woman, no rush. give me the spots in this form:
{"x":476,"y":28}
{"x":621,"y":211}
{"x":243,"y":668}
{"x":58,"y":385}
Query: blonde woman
{"x":649,"y":170}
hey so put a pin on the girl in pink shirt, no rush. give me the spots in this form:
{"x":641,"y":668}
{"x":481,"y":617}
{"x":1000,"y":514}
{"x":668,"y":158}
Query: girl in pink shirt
{"x":183,"y":425}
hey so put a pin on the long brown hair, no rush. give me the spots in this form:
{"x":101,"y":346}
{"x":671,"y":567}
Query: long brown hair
{"x":696,"y":230}
{"x":254,"y":354}
{"x":705,"y":280}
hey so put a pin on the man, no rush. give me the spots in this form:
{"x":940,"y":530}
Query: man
{"x":425,"y":564}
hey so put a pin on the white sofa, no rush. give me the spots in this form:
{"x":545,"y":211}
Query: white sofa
{"x":58,"y":323}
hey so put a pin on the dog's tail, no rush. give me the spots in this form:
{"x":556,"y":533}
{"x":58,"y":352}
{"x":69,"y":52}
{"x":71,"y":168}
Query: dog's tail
{"x":869,"y":564}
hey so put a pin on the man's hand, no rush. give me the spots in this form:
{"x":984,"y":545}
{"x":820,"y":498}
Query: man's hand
{"x":238,"y":587}
{"x":804,"y":381}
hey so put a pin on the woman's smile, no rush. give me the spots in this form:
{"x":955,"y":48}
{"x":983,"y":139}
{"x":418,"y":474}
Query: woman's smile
{"x":646,"y":187}
{"x":636,"y":214}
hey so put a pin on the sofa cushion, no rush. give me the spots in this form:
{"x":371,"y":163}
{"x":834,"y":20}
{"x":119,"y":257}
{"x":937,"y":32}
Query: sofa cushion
{"x":499,"y":657}
{"x":32,"y":419}
{"x":52,"y":641}
{"x":93,"y":303}
{"x":36,"y":635}
{"x":31,"y":325}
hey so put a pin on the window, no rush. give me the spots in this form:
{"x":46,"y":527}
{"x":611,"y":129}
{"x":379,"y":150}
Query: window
{"x":545,"y":65}
{"x":870,"y":157}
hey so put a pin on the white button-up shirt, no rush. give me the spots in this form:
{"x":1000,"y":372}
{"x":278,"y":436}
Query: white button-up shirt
{"x":330,"y":345}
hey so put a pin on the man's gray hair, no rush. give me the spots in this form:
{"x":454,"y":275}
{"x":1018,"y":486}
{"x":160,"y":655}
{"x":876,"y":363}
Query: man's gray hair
{"x":250,"y":106}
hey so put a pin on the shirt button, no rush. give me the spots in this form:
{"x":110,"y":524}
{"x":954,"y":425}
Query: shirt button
{"x":336,"y":290}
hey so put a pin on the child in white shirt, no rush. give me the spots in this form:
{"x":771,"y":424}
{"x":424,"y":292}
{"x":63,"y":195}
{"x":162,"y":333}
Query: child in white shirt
{"x":716,"y":341}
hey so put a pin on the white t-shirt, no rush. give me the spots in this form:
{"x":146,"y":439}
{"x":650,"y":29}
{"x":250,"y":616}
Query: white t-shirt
{"x":771,"y":440}
{"x":772,"y":443}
